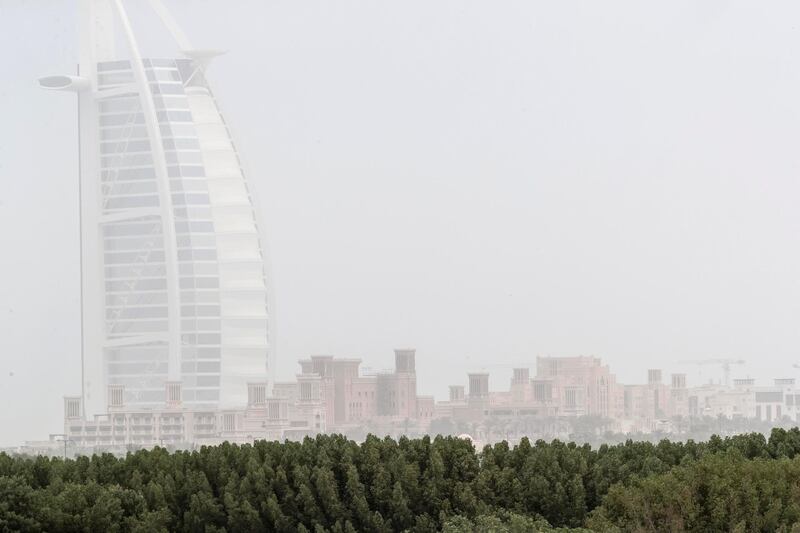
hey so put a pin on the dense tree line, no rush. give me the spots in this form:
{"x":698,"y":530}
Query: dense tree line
{"x":723,"y":492}
{"x":333,"y":484}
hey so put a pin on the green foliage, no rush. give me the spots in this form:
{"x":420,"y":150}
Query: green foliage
{"x":502,"y":522}
{"x":722,"y":492}
{"x":330,"y":483}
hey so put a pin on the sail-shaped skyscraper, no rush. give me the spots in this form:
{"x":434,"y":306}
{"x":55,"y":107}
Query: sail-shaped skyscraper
{"x":173,"y":262}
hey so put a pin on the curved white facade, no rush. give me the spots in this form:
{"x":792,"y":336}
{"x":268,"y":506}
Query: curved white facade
{"x":174,"y":275}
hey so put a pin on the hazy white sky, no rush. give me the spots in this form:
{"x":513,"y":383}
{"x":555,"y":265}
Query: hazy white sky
{"x":484,"y":181}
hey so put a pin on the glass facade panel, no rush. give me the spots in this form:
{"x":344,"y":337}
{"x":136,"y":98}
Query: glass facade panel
{"x":194,"y":136}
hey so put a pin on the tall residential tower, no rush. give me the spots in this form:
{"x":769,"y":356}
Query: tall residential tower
{"x":174,"y":279}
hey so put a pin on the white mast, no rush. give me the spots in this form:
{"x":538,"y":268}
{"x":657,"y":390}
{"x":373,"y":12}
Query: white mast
{"x":96,"y":31}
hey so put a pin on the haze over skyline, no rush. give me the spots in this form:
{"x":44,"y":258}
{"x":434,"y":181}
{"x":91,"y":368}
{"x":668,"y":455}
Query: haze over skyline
{"x":482,"y":182}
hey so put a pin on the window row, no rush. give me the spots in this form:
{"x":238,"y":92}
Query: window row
{"x":136,"y":257}
{"x":125,"y":286}
{"x":152,"y":353}
{"x":152,"y":200}
{"x":143,"y":271}
{"x":136,"y":298}
{"x":125,"y":153}
{"x":122,"y":328}
{"x":149,"y":242}
{"x":126,"y":174}
{"x":200,"y":310}
{"x":138,"y":283}
{"x":122,"y":119}
{"x":127,"y":229}
{"x":118,"y":368}
{"x":201,"y":338}
{"x":124,"y":159}
{"x":201,"y":325}
{"x":116,"y":313}
{"x":124,"y":146}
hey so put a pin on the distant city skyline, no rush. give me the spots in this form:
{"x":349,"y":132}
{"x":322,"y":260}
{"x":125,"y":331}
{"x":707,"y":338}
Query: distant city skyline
{"x":567,"y":398}
{"x":485,"y":183}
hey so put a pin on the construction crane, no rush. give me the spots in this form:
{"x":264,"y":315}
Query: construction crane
{"x":724,"y":363}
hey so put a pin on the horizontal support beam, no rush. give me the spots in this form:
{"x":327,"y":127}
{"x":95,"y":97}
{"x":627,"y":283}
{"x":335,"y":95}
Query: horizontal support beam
{"x":129,"y":88}
{"x":129,"y":214}
{"x":136,"y":340}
